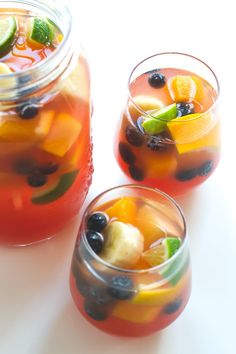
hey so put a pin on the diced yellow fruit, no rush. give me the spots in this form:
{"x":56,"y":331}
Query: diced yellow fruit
{"x":4,"y":69}
{"x":162,"y":295}
{"x":182,"y":88}
{"x":8,"y":83}
{"x":135,"y":313}
{"x":158,"y":166}
{"x":45,"y":123}
{"x":146,"y":103}
{"x":147,"y":221}
{"x":194,"y":131}
{"x":124,"y":210}
{"x":19,"y":130}
{"x":63,"y":134}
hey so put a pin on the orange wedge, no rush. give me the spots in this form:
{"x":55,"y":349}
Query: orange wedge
{"x":135,"y":313}
{"x":182,"y":88}
{"x":162,"y":295}
{"x":158,"y":166}
{"x":194,"y":132}
{"x":124,"y":210}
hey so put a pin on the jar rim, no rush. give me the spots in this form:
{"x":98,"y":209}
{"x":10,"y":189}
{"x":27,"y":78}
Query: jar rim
{"x":30,"y":80}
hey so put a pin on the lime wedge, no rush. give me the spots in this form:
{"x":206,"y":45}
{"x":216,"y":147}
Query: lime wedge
{"x":8,"y":28}
{"x":159,"y":119}
{"x":171,"y":245}
{"x":40,"y":31}
{"x":162,"y":251}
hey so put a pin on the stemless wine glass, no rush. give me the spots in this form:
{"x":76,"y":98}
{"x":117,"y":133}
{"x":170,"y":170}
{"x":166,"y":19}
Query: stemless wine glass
{"x":143,"y":299}
{"x":45,"y":151}
{"x":169,"y":135}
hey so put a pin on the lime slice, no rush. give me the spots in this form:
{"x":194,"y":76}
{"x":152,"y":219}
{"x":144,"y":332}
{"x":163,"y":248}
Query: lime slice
{"x":159,"y":119}
{"x":40,"y":31}
{"x":8,"y":28}
{"x":162,"y":251}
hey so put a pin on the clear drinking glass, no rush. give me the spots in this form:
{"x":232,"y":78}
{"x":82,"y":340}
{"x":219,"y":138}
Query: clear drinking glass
{"x":179,"y":149}
{"x":45,"y":162}
{"x":158,"y":294}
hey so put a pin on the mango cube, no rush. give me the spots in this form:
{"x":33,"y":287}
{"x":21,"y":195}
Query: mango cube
{"x":63,"y":134}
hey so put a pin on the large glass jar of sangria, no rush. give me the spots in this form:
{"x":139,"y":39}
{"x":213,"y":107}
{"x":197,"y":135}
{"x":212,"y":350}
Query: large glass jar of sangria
{"x":45,"y":144}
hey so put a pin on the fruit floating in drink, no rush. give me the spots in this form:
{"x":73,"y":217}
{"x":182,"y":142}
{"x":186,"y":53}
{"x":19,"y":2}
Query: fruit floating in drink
{"x":170,"y":134}
{"x":130,"y":273}
{"x":45,"y":147}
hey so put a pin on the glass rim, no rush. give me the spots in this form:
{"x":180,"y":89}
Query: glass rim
{"x":62,"y":8}
{"x":181,"y":54}
{"x":134,"y":271}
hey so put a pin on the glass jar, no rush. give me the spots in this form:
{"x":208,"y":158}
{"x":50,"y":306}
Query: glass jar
{"x":158,"y":294}
{"x":45,"y":162}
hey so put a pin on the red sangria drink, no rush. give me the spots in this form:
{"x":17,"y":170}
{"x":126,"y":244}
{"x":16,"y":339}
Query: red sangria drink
{"x":45,"y":145}
{"x":130,"y":273}
{"x":169,"y":135}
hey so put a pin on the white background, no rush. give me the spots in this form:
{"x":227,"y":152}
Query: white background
{"x":37,"y":315}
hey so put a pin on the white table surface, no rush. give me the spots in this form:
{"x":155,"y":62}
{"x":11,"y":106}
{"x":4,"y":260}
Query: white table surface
{"x":37,"y":314}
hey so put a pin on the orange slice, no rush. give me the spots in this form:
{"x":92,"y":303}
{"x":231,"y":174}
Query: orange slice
{"x":135,"y":313}
{"x":194,"y":132}
{"x":124,"y":210}
{"x":182,"y":88}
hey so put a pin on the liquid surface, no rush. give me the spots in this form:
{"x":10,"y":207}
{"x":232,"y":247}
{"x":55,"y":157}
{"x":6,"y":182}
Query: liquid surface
{"x":23,"y":53}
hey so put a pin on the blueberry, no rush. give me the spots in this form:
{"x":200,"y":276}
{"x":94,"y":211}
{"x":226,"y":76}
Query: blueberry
{"x":133,"y":136}
{"x":95,"y":311}
{"x":172,"y":307}
{"x":28,"y":110}
{"x":186,"y":175}
{"x":159,"y":142}
{"x":126,"y":153}
{"x":97,"y":221}
{"x":24,"y":166}
{"x":184,"y":108}
{"x":156,"y":80}
{"x":48,"y":168}
{"x":37,"y":179}
{"x":100,"y":295}
{"x":95,"y":241}
{"x":136,"y":173}
{"x":121,"y":288}
{"x":205,"y":168}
